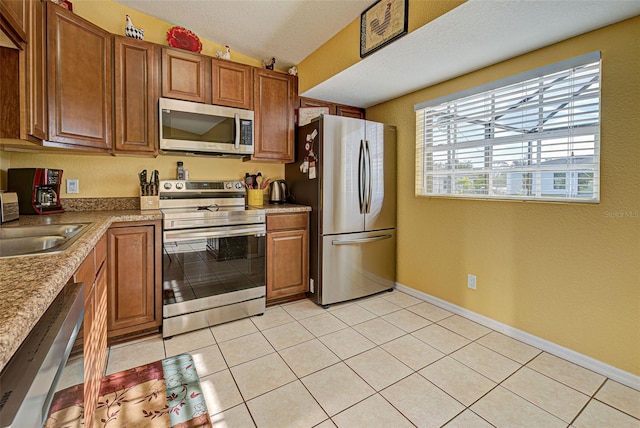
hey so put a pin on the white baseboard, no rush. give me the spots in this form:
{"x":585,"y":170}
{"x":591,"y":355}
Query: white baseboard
{"x":621,"y":376}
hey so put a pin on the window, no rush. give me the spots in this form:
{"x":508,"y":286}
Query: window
{"x":559,"y":180}
{"x":533,"y":136}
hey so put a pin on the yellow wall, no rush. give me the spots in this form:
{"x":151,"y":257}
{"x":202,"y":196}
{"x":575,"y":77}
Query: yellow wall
{"x":110,"y":16}
{"x":343,"y":50}
{"x":568,"y":273}
{"x":106,"y":176}
{"x":4,"y":164}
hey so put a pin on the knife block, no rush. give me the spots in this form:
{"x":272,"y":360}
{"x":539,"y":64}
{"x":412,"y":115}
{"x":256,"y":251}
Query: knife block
{"x":149,"y":202}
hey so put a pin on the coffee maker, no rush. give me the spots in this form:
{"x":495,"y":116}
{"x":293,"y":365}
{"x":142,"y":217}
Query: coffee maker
{"x":38,"y":189}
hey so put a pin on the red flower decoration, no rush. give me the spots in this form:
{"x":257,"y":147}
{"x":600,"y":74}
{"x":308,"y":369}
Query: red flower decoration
{"x":180,"y":37}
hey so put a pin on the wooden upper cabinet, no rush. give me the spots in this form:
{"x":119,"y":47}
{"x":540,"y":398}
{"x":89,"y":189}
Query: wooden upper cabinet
{"x":337,"y":109}
{"x":348,"y":111}
{"x":310,"y":102}
{"x":186,"y":76}
{"x":274,"y":103}
{"x":136,"y":85}
{"x":79,"y":82}
{"x":231,"y":84}
{"x":14,"y":19}
{"x":37,"y":126}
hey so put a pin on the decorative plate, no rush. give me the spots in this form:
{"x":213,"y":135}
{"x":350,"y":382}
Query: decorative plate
{"x":180,"y":37}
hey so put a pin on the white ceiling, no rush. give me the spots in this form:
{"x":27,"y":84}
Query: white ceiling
{"x":474,"y":35}
{"x":288,"y":30}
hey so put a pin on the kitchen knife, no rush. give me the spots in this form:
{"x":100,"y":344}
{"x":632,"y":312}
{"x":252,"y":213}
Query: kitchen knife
{"x":143,"y":177}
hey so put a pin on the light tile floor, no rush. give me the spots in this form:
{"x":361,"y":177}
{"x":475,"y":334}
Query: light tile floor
{"x":388,"y":360}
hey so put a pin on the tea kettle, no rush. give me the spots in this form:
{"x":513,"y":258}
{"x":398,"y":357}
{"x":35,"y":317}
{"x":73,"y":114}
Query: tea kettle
{"x":278,"y":192}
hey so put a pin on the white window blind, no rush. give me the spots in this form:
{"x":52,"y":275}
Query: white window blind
{"x":534,"y":136}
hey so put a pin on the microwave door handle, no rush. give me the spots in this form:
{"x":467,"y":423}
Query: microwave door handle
{"x":237,"y":128}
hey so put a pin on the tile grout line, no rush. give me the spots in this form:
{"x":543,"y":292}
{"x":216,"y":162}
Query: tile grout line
{"x":376,"y":345}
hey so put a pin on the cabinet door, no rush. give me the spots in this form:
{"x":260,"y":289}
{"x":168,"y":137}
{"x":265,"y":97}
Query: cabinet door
{"x":185,"y":76}
{"x":231,"y":84}
{"x":349,"y":111}
{"x":287,"y":263}
{"x":310,"y":102}
{"x":79,"y":81}
{"x":37,"y":71}
{"x":9,"y":93}
{"x":131,"y":284}
{"x":136,"y":94}
{"x":90,"y":354}
{"x":95,"y":346}
{"x":14,"y":16}
{"x":100,"y":322}
{"x":274,"y":103}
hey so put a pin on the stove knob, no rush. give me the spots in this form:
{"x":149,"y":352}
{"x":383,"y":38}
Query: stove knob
{"x":228,"y":185}
{"x":238,"y":185}
{"x":167,"y":186}
{"x":179,"y":186}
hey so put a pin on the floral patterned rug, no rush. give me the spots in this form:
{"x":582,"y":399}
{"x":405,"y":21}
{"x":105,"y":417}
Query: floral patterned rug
{"x":165,"y":393}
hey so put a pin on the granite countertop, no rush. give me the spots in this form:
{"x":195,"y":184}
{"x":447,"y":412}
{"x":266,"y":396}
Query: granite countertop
{"x":28,"y":284}
{"x":283,"y":208}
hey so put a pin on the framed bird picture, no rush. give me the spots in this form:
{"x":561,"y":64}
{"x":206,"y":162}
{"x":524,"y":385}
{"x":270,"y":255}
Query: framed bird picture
{"x":382,"y":23}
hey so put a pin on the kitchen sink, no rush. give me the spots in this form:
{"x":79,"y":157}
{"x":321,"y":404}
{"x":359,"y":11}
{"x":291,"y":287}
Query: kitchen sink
{"x":44,"y":239}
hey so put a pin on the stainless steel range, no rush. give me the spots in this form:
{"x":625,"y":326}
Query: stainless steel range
{"x":213,"y":255}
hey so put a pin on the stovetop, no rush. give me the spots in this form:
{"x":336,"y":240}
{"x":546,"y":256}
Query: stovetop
{"x":199,"y":203}
{"x":201,"y":195}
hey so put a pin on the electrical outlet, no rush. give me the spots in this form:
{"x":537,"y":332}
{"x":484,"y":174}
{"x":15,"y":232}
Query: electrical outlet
{"x":73,"y":185}
{"x":471,"y":281}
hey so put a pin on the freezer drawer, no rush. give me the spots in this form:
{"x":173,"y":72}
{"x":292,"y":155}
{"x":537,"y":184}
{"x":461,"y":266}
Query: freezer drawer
{"x":357,"y":265}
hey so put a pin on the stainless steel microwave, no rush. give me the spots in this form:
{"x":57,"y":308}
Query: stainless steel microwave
{"x":191,"y":127}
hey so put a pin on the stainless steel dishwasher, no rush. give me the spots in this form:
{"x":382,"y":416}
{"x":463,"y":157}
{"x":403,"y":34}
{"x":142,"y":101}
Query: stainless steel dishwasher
{"x":28,"y":381}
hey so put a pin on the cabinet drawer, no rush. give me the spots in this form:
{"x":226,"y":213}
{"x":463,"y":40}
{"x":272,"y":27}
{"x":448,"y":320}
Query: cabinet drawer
{"x":287,"y":221}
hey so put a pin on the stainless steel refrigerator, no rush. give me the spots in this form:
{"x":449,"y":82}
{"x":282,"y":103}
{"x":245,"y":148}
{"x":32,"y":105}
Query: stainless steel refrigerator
{"x":345,"y":169}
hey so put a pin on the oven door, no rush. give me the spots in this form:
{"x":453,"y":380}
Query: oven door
{"x":211,"y":276}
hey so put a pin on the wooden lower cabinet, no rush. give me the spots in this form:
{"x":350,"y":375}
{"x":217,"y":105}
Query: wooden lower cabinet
{"x":95,"y":348}
{"x":134,"y":283}
{"x":287,"y":256}
{"x":93,"y":337}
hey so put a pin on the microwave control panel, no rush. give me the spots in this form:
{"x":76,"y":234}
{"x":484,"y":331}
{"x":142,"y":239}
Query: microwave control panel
{"x":246,"y":132}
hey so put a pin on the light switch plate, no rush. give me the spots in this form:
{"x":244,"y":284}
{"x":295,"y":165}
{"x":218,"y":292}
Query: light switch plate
{"x":73,"y":185}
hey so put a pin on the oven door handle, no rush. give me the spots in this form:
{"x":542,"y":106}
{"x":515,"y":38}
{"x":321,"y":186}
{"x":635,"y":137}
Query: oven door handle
{"x":213,"y":232}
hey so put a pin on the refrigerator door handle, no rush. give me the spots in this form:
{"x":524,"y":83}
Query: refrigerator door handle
{"x":361,"y":240}
{"x":369,"y":184}
{"x":361,"y":183}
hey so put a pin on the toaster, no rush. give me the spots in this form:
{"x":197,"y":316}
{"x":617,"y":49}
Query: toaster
{"x":9,"y":209}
